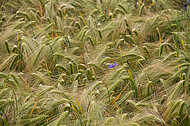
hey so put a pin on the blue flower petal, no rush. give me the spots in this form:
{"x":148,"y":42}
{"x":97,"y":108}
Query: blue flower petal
{"x":114,"y":64}
{"x":185,"y":6}
{"x":110,"y":66}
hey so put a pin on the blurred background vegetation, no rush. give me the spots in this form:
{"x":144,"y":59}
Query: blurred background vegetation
{"x":94,"y":62}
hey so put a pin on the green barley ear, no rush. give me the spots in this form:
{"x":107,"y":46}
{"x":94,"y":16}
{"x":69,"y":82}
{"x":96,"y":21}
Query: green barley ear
{"x":114,"y":85}
{"x":83,"y":34}
{"x":93,"y":78}
{"x":59,"y":23}
{"x":125,"y":97}
{"x":95,"y":85}
{"x":34,"y":15}
{"x":129,"y":30}
{"x":135,"y":31}
{"x":71,"y":67}
{"x":67,"y":19}
{"x":149,"y":88}
{"x":146,"y":50}
{"x":171,"y":108}
{"x":41,"y":77}
{"x":175,"y":122}
{"x":161,"y":49}
{"x":60,"y":79}
{"x":119,"y":42}
{"x":1,"y":23}
{"x":15,"y":49}
{"x":184,"y":76}
{"x":131,"y":39}
{"x":163,"y":99}
{"x":5,"y":103}
{"x":110,"y":16}
{"x":100,"y":33}
{"x":49,"y":20}
{"x":126,"y":23}
{"x":95,"y":11}
{"x":121,"y":73}
{"x":110,"y":122}
{"x":170,"y":27}
{"x":61,"y":67}
{"x":119,"y":10}
{"x":62,"y":82}
{"x":91,"y":41}
{"x":36,"y":120}
{"x":117,"y":72}
{"x":11,"y":6}
{"x":19,"y":24}
{"x":81,"y":71}
{"x":181,"y":107}
{"x":85,"y":80}
{"x":60,"y":101}
{"x":169,"y":57}
{"x":45,"y":90}
{"x":141,"y":10}
{"x":104,"y":60}
{"x":24,"y":14}
{"x":5,"y":121}
{"x":81,"y":67}
{"x":3,"y":92}
{"x":125,"y":78}
{"x":75,"y":50}
{"x":7,"y":47}
{"x":82,"y":19}
{"x":176,"y":74}
{"x":49,"y":26}
{"x":72,"y":78}
{"x":132,"y":124}
{"x":78,"y":76}
{"x":29,"y":24}
{"x":60,"y":13}
{"x":164,"y":85}
{"x":15,"y":79}
{"x":174,"y":92}
{"x":58,"y":121}
{"x":132,"y":104}
{"x":89,"y":74}
{"x":123,"y":8}
{"x":37,"y":56}
{"x":12,"y":82}
{"x":170,"y":46}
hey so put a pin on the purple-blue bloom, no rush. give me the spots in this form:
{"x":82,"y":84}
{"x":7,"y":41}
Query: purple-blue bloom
{"x":185,"y":6}
{"x":112,"y":65}
{"x":188,"y":1}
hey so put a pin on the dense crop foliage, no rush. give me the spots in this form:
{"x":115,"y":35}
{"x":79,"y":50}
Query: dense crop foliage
{"x":95,"y":62}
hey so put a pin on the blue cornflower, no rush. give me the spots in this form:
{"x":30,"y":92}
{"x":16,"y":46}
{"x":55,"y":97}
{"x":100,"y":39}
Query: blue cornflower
{"x":185,"y":6}
{"x":112,"y":65}
{"x":105,"y":11}
{"x":188,"y":1}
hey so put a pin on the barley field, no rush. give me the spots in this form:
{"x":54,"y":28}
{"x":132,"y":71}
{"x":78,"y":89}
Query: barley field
{"x":94,"y":63}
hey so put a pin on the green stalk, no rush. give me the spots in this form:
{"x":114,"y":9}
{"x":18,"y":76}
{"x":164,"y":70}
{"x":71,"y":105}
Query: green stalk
{"x":133,"y":85}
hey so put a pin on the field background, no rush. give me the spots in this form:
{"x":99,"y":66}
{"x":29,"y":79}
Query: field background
{"x":94,"y":63}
